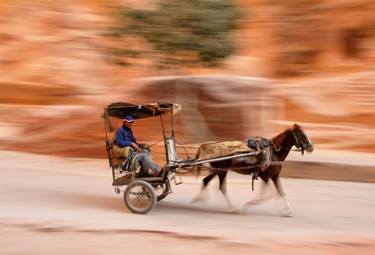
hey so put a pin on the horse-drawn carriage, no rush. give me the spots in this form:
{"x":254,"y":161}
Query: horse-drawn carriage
{"x":142,"y":192}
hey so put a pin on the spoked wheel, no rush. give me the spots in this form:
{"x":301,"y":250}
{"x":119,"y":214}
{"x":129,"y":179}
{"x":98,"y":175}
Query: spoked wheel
{"x":162,"y":190}
{"x":140,"y":197}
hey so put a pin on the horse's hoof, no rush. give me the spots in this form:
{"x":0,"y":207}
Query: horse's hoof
{"x":196,"y":200}
{"x":287,"y":213}
{"x":247,"y":205}
{"x":252,"y":202}
{"x":234,"y":210}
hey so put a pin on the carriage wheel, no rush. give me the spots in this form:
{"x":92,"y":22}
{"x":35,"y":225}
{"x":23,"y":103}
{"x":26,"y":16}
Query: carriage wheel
{"x":140,"y":197}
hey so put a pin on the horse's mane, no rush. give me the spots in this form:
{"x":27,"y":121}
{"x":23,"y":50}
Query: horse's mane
{"x":278,"y":139}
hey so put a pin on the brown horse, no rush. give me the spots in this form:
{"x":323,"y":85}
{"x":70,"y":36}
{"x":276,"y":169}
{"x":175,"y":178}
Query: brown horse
{"x":282,"y":144}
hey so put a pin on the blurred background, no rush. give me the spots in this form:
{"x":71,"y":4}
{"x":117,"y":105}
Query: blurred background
{"x":239,"y":68}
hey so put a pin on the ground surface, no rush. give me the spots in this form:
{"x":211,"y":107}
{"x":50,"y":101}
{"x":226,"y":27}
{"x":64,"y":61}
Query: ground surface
{"x":65,"y":206}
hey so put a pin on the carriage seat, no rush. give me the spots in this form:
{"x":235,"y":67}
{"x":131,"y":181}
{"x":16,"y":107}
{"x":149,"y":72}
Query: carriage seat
{"x":120,"y":152}
{"x":117,"y":154}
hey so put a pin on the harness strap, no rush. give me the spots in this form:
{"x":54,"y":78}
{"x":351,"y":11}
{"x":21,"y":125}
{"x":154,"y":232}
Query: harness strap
{"x":276,"y":149}
{"x":254,"y":177}
{"x":258,"y":143}
{"x":295,"y":138}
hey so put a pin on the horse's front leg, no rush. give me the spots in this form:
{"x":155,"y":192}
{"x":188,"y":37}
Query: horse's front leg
{"x":205,"y":182}
{"x":287,"y":210}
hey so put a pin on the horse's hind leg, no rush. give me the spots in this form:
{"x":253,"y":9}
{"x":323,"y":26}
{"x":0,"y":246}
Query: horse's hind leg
{"x":223,"y":187}
{"x":287,"y":210}
{"x":205,"y":182}
{"x":261,"y":195}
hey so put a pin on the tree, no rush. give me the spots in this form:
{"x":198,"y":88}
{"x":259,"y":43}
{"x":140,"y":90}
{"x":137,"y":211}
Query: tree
{"x":178,"y":32}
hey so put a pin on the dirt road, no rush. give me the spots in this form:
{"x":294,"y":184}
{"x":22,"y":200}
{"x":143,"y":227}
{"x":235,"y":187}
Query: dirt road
{"x":61,"y":206}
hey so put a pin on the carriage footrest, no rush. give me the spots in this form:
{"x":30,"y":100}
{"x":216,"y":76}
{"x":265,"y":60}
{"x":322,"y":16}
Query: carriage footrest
{"x":152,"y":179}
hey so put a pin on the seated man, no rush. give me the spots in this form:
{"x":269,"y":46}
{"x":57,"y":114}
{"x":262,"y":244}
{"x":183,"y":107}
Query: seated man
{"x":126,"y":141}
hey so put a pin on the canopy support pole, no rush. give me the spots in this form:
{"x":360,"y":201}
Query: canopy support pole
{"x":107,"y":142}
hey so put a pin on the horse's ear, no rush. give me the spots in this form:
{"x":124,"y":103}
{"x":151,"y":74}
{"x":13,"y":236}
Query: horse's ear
{"x":296,"y":126}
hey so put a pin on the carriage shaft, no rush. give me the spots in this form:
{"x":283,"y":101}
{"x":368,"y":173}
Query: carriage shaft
{"x":200,"y":162}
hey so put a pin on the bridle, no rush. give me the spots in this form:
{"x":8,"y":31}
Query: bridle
{"x":298,"y":143}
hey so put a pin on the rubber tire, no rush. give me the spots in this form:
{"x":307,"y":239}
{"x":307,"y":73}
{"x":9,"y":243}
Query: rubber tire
{"x":149,"y":188}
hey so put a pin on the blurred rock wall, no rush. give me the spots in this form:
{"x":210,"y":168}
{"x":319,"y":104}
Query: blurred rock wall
{"x":52,"y":47}
{"x":214,"y":107}
{"x":308,"y":37}
{"x":55,"y":77}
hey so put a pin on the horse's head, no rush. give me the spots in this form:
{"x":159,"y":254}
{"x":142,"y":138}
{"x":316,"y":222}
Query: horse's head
{"x":301,"y":140}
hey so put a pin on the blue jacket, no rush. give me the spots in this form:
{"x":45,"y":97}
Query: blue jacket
{"x":124,"y":137}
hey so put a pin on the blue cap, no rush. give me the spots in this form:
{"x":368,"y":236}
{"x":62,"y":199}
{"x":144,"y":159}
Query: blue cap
{"x":128,"y":118}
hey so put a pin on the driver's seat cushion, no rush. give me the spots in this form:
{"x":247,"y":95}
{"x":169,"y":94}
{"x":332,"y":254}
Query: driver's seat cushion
{"x":120,"y":152}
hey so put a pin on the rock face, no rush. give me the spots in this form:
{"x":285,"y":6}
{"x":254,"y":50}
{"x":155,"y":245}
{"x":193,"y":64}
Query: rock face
{"x":55,"y":78}
{"x":51,"y":45}
{"x":339,"y":112}
{"x":214,"y":107}
{"x":297,"y":38}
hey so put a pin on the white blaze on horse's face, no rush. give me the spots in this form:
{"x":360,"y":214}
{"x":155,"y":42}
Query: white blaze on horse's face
{"x":309,"y":148}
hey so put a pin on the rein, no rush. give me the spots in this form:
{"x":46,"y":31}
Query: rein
{"x":154,"y":144}
{"x":283,"y":147}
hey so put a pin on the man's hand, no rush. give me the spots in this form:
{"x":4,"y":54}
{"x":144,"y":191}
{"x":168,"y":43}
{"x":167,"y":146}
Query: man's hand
{"x":135,"y":146}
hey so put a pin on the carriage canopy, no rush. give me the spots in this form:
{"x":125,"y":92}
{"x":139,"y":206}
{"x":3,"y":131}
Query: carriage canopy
{"x":140,"y":111}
